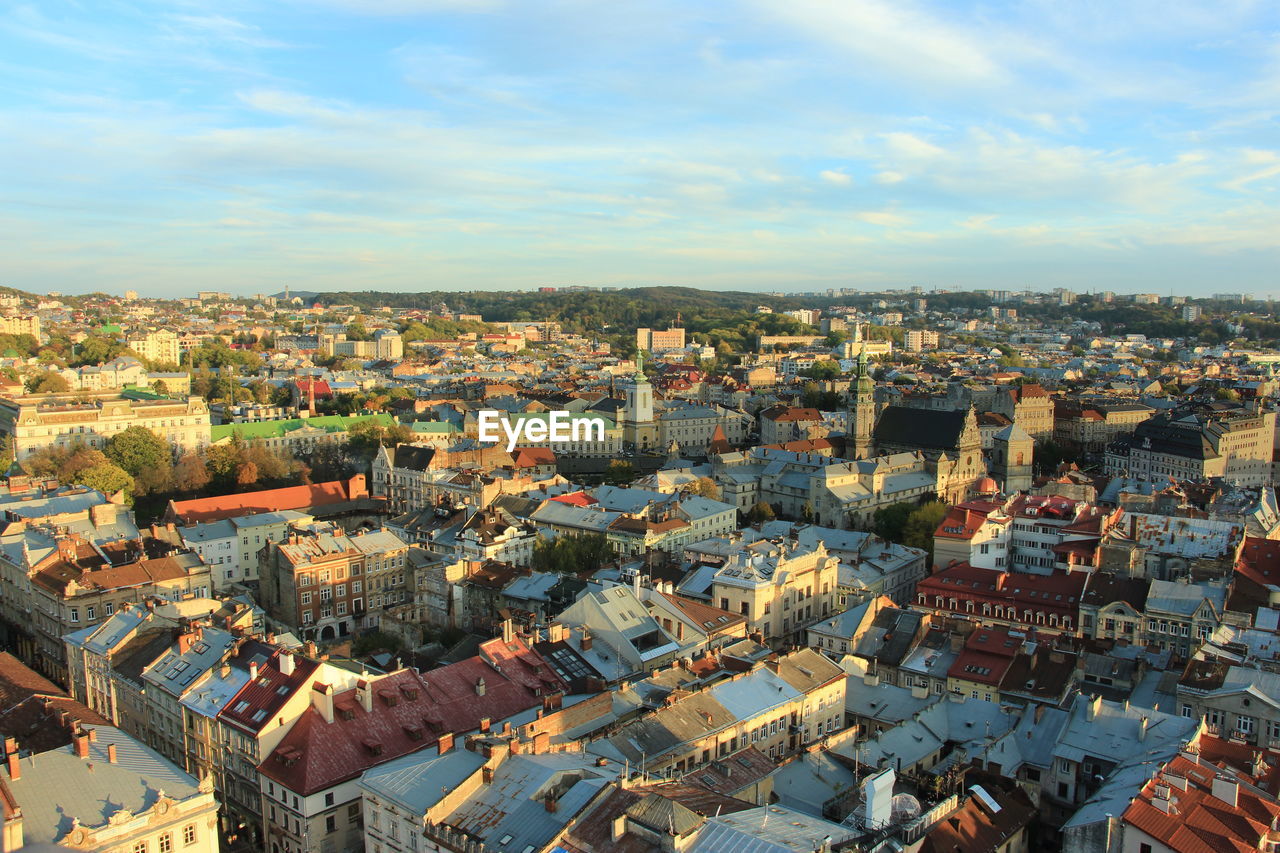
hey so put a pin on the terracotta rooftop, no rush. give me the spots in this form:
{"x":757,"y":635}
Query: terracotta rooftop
{"x":216,"y":508}
{"x":408,"y":712}
{"x":1188,"y":808}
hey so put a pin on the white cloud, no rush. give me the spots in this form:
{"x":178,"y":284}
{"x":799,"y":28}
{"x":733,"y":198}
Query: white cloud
{"x":882,"y":218}
{"x":839,"y":178}
{"x":890,"y":177}
{"x":910,"y":146}
{"x":895,"y":36}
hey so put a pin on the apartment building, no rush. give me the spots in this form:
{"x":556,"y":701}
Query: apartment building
{"x":780,"y":587}
{"x":36,"y":421}
{"x":658,"y":340}
{"x":58,"y":583}
{"x":19,"y":324}
{"x":230,"y":546}
{"x":159,"y":346}
{"x":1236,"y":445}
{"x":310,"y":784}
{"x":1087,"y":427}
{"x":326,"y":583}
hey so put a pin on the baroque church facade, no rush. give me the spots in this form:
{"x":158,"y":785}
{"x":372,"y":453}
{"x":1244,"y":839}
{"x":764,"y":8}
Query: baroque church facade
{"x":949,"y":440}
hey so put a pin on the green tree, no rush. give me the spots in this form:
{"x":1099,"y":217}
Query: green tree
{"x":921,"y":525}
{"x":619,"y":473}
{"x":106,"y":478}
{"x":890,"y":521}
{"x":47,"y":382}
{"x":761,"y":512}
{"x":137,"y":449}
{"x":571,"y":553}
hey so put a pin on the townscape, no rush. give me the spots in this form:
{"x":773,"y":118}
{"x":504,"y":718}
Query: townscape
{"x":904,"y":570}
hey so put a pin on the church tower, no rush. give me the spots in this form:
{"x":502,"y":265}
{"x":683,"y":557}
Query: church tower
{"x":639,"y":429}
{"x":1011,"y":451}
{"x":862,"y":410}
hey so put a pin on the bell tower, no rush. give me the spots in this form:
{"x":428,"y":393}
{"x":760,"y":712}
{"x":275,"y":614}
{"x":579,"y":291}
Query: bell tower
{"x":862,"y":409}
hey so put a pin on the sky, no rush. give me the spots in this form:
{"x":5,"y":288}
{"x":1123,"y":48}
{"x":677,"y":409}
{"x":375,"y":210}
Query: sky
{"x":788,"y":145}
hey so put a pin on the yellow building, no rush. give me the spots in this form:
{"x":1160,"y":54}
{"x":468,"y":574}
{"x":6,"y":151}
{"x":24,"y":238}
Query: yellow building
{"x":781,"y":588}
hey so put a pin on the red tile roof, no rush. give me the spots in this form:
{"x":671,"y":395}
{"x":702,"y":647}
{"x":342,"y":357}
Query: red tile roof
{"x":576,"y":499}
{"x":199,"y":510}
{"x":1197,"y":820}
{"x":409,"y":712}
{"x":255,"y":705}
{"x":1057,"y":594}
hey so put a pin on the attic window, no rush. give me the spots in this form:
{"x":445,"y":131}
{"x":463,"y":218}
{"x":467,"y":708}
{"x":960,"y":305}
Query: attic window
{"x":374,"y":747}
{"x":241,"y":706}
{"x":346,"y":712}
{"x":410,"y":691}
{"x":389,"y":697}
{"x":259,"y":715}
{"x":414,"y":731}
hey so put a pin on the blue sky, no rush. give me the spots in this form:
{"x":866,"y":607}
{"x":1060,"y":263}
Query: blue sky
{"x":759,"y":145}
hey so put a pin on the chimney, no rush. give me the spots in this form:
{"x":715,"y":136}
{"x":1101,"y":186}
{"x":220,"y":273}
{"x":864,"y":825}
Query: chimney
{"x":1092,"y":708}
{"x":1227,"y":790}
{"x":619,"y":827}
{"x":514,"y":745}
{"x":508,"y":634}
{"x":286,"y":663}
{"x":81,"y":742}
{"x":480,"y":686}
{"x":445,"y":742}
{"x":364,"y":692}
{"x":93,"y":735}
{"x":15,"y":767}
{"x":322,"y":699}
{"x":309,"y":649}
{"x":485,"y":723}
{"x":586,"y":640}
{"x":253,"y":671}
{"x":1142,"y":729}
{"x":549,"y":802}
{"x":111,"y":753}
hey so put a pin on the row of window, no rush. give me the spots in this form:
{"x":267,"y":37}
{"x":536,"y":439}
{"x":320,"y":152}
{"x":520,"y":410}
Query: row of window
{"x":164,"y":843}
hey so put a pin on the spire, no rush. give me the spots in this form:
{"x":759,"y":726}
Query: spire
{"x":640,"y":363}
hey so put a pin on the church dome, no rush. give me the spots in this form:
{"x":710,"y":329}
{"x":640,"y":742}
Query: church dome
{"x":987,"y":486}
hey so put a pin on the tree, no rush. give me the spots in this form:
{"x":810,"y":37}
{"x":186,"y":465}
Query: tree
{"x":761,"y":512}
{"x":47,"y":382}
{"x":106,"y":478}
{"x":705,"y":487}
{"x":921,"y":525}
{"x":619,"y":473}
{"x":571,"y":553}
{"x":138,"y":449}
{"x":890,"y":521}
{"x":806,"y":512}
{"x":190,"y":474}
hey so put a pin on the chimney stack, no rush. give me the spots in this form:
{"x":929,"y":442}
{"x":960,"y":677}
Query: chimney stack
{"x":286,"y":663}
{"x":81,"y":742}
{"x":253,"y":671}
{"x":445,"y":742}
{"x":111,"y":753}
{"x":15,"y":767}
{"x":1142,"y":729}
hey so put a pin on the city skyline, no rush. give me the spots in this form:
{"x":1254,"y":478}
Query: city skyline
{"x":443,"y":144}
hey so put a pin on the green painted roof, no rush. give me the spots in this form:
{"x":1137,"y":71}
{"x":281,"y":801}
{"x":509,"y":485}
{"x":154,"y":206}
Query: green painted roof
{"x":433,"y":427}
{"x":276,"y":429}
